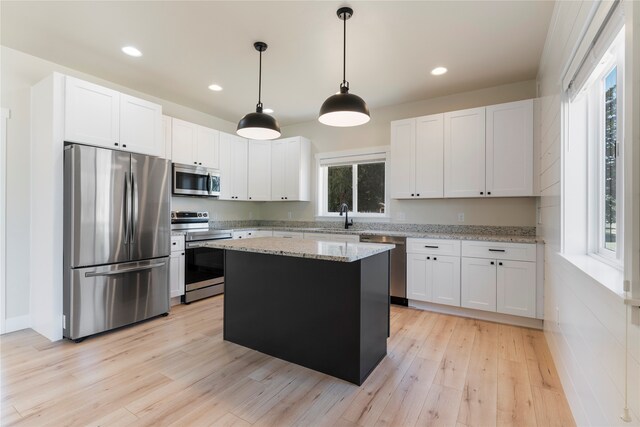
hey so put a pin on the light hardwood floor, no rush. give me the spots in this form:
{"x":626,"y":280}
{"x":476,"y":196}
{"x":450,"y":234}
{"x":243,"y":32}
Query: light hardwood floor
{"x":440,"y":370}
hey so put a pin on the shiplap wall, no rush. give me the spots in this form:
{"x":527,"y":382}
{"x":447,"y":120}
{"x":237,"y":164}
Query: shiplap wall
{"x":584,"y":322}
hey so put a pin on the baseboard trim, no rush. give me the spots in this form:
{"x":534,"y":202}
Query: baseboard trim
{"x":17,"y":323}
{"x":478,"y":314}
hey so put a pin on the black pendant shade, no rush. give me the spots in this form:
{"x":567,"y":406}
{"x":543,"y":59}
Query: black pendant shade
{"x":344,"y":109}
{"x":259,"y":125}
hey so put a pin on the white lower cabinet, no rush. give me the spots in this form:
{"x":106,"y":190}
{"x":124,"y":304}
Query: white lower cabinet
{"x":176,"y":267}
{"x":479,"y":284}
{"x":516,"y":288}
{"x":433,"y":278}
{"x":505,"y":284}
{"x":248,"y":234}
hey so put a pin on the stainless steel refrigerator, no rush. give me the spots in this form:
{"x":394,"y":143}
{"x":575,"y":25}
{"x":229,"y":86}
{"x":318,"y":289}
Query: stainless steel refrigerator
{"x":117,"y":239}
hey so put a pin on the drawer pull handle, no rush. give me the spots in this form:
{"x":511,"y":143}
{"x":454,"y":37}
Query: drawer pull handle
{"x":497,"y":250}
{"x":430,"y":246}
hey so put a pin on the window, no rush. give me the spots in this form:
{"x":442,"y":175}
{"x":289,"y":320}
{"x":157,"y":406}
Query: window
{"x":355,"y":179}
{"x":593,"y":162}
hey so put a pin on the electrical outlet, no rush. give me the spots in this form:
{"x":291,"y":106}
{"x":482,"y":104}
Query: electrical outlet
{"x":250,"y":215}
{"x":461,"y":217}
{"x":401,"y":216}
{"x":557,"y":316}
{"x":290,"y":215}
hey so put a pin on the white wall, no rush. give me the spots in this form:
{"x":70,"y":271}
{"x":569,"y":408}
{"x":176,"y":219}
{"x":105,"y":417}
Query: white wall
{"x":507,"y":211}
{"x":584,"y":322}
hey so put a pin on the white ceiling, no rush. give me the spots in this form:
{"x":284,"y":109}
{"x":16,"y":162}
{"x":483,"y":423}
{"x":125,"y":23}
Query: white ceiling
{"x":391,"y":48}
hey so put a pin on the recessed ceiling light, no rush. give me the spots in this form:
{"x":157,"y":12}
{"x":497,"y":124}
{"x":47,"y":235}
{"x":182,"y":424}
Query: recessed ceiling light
{"x":131,"y":51}
{"x":438,"y":71}
{"x":268,"y":110}
{"x":216,"y":88}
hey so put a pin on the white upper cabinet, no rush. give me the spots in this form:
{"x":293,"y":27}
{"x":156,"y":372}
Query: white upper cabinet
{"x":403,"y":162}
{"x":141,"y":126}
{"x":207,"y":151}
{"x":417,"y":157}
{"x":104,"y":117}
{"x":166,"y":134}
{"x":193,"y":144}
{"x":509,"y":149}
{"x":429,"y":156}
{"x":183,"y":141}
{"x":92,"y":114}
{"x":290,"y":166}
{"x":233,"y":167}
{"x":464,"y":153}
{"x":259,"y":170}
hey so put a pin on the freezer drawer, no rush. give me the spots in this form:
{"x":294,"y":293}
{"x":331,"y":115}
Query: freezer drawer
{"x":106,"y":297}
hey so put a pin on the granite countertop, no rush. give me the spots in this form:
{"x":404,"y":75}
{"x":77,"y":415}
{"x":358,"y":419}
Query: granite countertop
{"x":415,"y":234}
{"x":301,"y":248}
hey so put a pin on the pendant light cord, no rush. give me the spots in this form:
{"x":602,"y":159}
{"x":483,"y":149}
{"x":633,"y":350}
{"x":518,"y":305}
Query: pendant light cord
{"x":344,"y":52}
{"x":260,"y":83}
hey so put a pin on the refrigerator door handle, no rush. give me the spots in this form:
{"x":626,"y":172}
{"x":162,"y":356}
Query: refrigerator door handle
{"x":127,"y":208}
{"x":124,"y":270}
{"x":134,"y":203}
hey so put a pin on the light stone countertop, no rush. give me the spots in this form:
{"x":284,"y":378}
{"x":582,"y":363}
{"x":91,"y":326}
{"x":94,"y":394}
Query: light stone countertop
{"x":301,"y":248}
{"x":414,"y":234}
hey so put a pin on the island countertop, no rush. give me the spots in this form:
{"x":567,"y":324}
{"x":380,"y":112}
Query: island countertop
{"x":301,"y":248}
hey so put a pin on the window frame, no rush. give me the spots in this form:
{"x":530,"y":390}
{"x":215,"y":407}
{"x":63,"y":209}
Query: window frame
{"x":595,"y":92}
{"x":353,"y":158}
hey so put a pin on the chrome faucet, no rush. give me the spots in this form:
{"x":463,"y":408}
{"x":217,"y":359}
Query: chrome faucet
{"x":345,"y":208}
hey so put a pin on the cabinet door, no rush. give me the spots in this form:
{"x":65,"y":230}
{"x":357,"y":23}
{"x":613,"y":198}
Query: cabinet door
{"x":207,"y":150}
{"x":478,"y":284}
{"x":403,"y":159}
{"x":259,"y":170}
{"x":516,"y":287}
{"x":239,"y":154}
{"x":292,"y":169}
{"x":419,"y":277}
{"x":429,"y":157}
{"x":92,"y":114}
{"x":176,"y":273}
{"x":183,"y":142}
{"x":445,"y":288}
{"x":278,"y":149}
{"x":166,"y":134}
{"x":464,"y":153}
{"x":510,"y":149}
{"x":141,"y":126}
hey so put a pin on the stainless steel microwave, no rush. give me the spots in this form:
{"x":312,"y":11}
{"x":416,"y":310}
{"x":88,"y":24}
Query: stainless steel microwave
{"x":195,"y":181}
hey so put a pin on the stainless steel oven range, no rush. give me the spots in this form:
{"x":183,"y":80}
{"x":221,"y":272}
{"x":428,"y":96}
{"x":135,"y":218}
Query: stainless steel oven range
{"x":204,"y":266}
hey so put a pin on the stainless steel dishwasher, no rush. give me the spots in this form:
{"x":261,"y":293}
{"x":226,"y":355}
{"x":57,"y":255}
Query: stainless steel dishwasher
{"x":398,"y":265}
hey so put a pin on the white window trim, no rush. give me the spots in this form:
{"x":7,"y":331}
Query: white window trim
{"x":363,"y":155}
{"x":595,"y":88}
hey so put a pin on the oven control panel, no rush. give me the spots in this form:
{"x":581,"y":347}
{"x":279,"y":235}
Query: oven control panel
{"x":186,"y":217}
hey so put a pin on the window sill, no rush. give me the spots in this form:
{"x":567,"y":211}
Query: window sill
{"x":603,"y":273}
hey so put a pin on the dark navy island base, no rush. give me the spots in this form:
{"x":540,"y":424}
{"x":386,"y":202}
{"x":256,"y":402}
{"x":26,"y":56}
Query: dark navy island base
{"x":329,"y":316}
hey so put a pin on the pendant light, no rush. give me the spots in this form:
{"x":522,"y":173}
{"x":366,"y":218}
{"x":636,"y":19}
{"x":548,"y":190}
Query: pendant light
{"x":258,"y":125}
{"x":344,"y":109}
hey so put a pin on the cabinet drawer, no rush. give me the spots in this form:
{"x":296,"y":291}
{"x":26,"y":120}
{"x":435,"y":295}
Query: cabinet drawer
{"x":499,"y":250}
{"x":177,"y":243}
{"x":433,"y":246}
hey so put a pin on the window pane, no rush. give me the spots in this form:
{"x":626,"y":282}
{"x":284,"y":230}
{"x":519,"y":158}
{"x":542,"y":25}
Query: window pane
{"x":340,"y":186}
{"x":610,"y":142}
{"x":371,"y":188}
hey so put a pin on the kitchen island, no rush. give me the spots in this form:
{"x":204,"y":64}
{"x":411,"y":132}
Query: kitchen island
{"x":322,"y":305}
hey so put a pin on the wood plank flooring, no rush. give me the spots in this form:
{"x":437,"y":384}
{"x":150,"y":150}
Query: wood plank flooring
{"x":439,"y":371}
